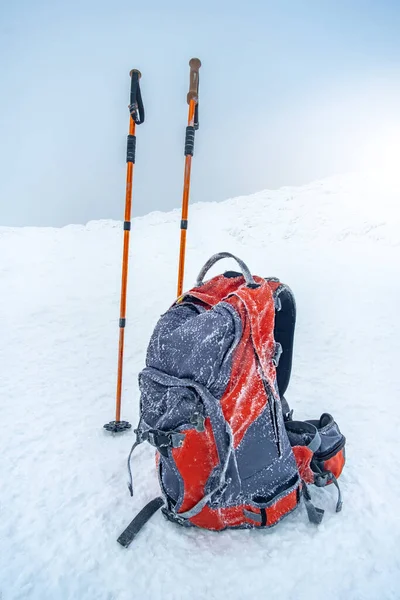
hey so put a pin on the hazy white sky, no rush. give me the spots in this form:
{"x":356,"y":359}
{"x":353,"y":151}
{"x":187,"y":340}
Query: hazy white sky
{"x":290,"y":91}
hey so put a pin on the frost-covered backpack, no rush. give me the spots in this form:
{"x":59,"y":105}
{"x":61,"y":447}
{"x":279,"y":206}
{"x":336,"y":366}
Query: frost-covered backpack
{"x":212,"y":403}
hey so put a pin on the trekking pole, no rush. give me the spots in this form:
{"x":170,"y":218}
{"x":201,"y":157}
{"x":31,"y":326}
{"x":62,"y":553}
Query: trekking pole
{"x":192,"y":126}
{"x":136,"y":117}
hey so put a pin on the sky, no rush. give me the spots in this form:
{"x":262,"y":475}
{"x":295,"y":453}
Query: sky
{"x":290,"y":92}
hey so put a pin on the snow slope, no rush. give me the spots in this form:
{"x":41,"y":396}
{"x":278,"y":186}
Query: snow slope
{"x":63,"y":494}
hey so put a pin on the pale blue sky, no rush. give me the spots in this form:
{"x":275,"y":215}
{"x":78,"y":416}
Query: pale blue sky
{"x":290,"y":91}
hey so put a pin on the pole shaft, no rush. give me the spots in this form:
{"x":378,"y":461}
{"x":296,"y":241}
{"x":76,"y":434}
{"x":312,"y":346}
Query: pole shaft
{"x":185,"y":205}
{"x":124,"y":282}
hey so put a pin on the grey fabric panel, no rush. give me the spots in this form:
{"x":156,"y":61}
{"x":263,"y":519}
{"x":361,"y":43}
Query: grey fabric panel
{"x":166,"y":408}
{"x":303,"y":433}
{"x":262,"y":471}
{"x":231,"y":494}
{"x":192,"y":343}
{"x":331,"y":436}
{"x":189,"y":362}
{"x":265,"y":485}
{"x":258,"y":447}
{"x":315,"y":443}
{"x":171,"y":480}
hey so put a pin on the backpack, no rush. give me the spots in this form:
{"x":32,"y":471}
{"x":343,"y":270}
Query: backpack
{"x":228,"y":452}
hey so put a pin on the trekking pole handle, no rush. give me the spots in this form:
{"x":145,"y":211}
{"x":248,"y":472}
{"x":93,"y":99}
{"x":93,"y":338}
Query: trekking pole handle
{"x":136,"y":107}
{"x":245,"y":270}
{"x":135,"y":75}
{"x":195,"y":65}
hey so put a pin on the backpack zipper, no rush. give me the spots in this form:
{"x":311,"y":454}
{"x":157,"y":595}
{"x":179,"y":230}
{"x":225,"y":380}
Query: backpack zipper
{"x":272,"y":402}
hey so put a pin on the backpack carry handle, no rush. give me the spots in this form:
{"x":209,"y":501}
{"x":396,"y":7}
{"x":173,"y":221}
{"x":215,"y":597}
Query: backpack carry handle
{"x":245,"y":270}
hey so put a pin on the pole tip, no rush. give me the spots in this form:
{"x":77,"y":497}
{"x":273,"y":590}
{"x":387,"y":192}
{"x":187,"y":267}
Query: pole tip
{"x":135,"y":71}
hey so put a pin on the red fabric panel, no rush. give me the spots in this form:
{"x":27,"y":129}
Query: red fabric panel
{"x":214,"y":290}
{"x":260,"y":310}
{"x":244,"y":398}
{"x":335,"y":464}
{"x":274,"y":285}
{"x":280,"y":508}
{"x":303,"y":456}
{"x":195,"y":460}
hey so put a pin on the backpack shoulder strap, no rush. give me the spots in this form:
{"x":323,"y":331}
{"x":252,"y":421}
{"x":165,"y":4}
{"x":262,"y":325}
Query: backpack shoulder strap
{"x":285,"y":322}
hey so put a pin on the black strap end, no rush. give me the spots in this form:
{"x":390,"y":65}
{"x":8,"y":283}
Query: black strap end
{"x":134,"y":527}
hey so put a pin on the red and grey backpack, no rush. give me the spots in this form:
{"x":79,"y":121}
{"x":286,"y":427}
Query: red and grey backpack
{"x":228,"y":453}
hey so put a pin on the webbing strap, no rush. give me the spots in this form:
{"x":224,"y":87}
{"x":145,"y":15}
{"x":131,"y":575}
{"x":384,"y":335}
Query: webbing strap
{"x":158,"y":439}
{"x":339,"y":503}
{"x":315,"y":514}
{"x":188,"y":514}
{"x":130,"y":483}
{"x":128,"y":535}
{"x":322,"y":478}
{"x":249,"y":514}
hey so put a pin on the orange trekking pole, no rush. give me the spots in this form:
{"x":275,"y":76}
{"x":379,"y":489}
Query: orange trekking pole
{"x":193,"y":124}
{"x":136,"y":111}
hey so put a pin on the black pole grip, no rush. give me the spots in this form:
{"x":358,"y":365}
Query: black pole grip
{"x":131,"y":149}
{"x":189,"y":140}
{"x":136,"y":107}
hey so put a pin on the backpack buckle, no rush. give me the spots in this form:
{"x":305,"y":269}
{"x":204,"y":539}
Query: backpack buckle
{"x":198,"y":421}
{"x":277,"y":354}
{"x":174,"y":517}
{"x":322,"y":479}
{"x":177,"y":440}
{"x":163,"y":439}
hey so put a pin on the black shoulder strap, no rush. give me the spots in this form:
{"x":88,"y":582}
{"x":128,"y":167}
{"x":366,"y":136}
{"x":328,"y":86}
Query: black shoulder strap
{"x":139,"y":522}
{"x":285,"y":322}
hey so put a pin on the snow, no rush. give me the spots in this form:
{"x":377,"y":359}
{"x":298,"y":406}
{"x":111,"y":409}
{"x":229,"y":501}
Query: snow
{"x":63,"y":492}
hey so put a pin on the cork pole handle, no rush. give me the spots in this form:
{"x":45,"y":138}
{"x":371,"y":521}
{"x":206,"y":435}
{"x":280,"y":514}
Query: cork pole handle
{"x":195,"y":65}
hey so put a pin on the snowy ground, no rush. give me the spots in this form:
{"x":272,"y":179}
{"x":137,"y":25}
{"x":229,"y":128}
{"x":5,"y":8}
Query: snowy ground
{"x":63,"y":494}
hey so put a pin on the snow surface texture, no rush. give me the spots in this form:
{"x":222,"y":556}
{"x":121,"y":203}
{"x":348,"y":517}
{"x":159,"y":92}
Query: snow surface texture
{"x":63,"y":493}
